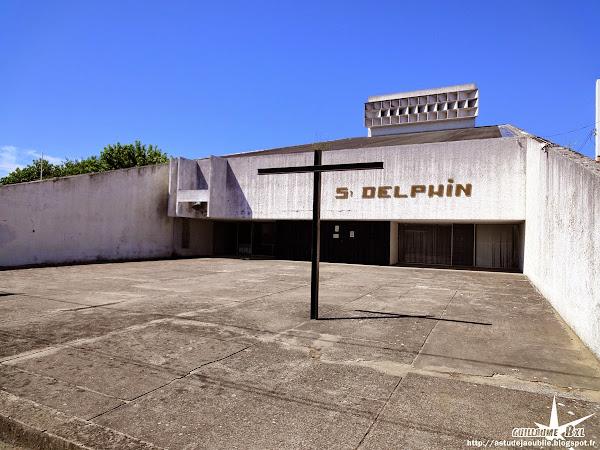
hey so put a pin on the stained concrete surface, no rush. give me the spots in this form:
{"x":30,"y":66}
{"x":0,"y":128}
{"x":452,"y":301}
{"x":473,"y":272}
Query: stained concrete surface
{"x":219,"y":353}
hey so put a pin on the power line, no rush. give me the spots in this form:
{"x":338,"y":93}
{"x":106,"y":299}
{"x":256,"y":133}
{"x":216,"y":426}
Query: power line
{"x":587,"y":138}
{"x":572,"y":131}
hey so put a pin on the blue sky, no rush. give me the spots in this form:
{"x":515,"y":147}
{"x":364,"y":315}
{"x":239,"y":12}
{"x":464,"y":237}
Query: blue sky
{"x":200,"y":78}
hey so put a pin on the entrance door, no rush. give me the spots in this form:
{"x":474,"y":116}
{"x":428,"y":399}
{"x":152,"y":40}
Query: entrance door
{"x":355,"y":242}
{"x":244,"y":238}
{"x":463,"y":235}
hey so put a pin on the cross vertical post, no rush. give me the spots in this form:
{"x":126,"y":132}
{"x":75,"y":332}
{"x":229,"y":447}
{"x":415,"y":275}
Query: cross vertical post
{"x":316,"y":241}
{"x":316,"y":169}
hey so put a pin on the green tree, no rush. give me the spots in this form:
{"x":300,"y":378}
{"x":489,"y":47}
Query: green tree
{"x":32,"y":172}
{"x":78,"y":167}
{"x":124,"y":156}
{"x":111,"y":158}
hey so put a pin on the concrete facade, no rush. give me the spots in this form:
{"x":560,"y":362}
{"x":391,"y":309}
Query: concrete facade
{"x":562,"y":236}
{"x":413,"y":186}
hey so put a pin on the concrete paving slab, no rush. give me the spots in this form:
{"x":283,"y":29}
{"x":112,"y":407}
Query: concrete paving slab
{"x":302,"y":374}
{"x":170,"y":305}
{"x":335,"y":348}
{"x":21,"y":308}
{"x":12,"y":344}
{"x":501,"y":303}
{"x":456,"y":353}
{"x":9,"y":303}
{"x":223,"y":288}
{"x":539,"y":330}
{"x":259,"y":316}
{"x":467,"y":411}
{"x":8,"y":446}
{"x":188,"y":325}
{"x":61,"y":396}
{"x":176,"y":348}
{"x":410,"y":301}
{"x":119,"y":378}
{"x":194,"y":414}
{"x":64,"y":326}
{"x":166,"y":363}
{"x":330,"y":296}
{"x":36,"y":426}
{"x":387,"y":435}
{"x":402,"y":333}
{"x":80,"y":300}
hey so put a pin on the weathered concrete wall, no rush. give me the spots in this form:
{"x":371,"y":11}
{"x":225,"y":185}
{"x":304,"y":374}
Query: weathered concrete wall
{"x":494,"y":168}
{"x":562,"y":236}
{"x":199,"y":237}
{"x":106,"y":216}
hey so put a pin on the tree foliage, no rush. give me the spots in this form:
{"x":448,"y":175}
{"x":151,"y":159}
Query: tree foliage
{"x":113,"y":157}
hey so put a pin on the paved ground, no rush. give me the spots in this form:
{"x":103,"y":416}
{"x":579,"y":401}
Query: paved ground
{"x":219,"y":353}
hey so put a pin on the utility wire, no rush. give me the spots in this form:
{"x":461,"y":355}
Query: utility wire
{"x":590,"y":134}
{"x":572,"y":131}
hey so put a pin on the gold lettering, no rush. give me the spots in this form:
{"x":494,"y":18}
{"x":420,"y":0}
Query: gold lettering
{"x":466,"y":190}
{"x":397,"y":193}
{"x":417,"y":189}
{"x":342,"y":193}
{"x":382,"y":192}
{"x":439,"y":192}
{"x":368,"y":192}
{"x":449,"y":188}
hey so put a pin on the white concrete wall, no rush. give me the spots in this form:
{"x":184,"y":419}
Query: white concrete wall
{"x":562,"y":236}
{"x":106,"y":216}
{"x":495,"y":168}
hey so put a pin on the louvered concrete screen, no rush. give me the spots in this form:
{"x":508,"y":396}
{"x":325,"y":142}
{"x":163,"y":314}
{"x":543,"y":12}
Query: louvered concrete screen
{"x":426,"y":110}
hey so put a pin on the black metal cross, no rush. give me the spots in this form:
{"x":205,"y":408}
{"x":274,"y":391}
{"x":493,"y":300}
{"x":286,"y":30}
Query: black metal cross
{"x":316,"y":222}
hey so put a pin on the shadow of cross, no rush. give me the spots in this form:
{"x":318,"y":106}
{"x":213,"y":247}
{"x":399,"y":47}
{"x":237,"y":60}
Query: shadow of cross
{"x":317,"y":169}
{"x":387,"y":315}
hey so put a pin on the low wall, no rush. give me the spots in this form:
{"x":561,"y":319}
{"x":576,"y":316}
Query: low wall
{"x":105,"y":216}
{"x":562,"y":235}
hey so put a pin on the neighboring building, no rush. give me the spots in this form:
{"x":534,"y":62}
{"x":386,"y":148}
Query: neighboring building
{"x":450,"y":195}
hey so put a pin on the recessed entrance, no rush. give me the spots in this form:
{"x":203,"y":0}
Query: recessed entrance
{"x":494,"y":246}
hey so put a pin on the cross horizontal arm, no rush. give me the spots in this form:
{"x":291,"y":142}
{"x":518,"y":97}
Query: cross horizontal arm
{"x":321,"y":168}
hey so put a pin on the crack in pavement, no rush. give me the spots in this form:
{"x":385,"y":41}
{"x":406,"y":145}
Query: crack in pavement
{"x":438,"y":321}
{"x":376,"y":420}
{"x":126,"y":402}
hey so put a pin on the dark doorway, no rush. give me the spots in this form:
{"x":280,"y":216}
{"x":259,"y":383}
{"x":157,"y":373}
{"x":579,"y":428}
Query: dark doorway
{"x":462,"y":244}
{"x":263,"y":238}
{"x":244,"y":238}
{"x":225,"y":238}
{"x":355,"y":242}
{"x":341,"y":242}
{"x":293,"y":240}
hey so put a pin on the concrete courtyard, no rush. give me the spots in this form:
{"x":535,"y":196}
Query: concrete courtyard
{"x":220,"y":353}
